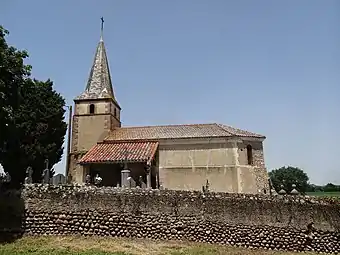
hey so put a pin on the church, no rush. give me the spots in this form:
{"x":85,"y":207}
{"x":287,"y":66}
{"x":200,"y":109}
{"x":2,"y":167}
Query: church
{"x":172,"y":156}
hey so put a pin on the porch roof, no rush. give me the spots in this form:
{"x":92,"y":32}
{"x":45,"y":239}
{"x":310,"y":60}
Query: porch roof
{"x":118,"y":152}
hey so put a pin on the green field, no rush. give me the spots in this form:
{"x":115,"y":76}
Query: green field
{"x":324,"y":194}
{"x":114,"y":246}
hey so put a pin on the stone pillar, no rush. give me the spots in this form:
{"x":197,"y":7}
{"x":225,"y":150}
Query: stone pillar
{"x":148,"y":180}
{"x":157,"y":178}
{"x":124,"y":175}
{"x":148,"y":169}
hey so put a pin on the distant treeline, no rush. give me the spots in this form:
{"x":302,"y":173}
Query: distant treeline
{"x":330,"y":187}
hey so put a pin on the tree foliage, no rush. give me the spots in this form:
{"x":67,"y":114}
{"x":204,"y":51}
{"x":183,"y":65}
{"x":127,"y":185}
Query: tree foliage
{"x":13,"y":73}
{"x":329,"y":187}
{"x":35,"y":129}
{"x":287,"y":176}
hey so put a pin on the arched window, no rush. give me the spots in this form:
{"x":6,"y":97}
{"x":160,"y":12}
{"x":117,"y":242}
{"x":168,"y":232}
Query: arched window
{"x":91,"y":108}
{"x":250,"y":154}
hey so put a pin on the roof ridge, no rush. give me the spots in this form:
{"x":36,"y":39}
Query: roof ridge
{"x":168,"y":125}
{"x":128,"y":141}
{"x":178,"y":131}
{"x":225,"y":130}
{"x":239,"y":129}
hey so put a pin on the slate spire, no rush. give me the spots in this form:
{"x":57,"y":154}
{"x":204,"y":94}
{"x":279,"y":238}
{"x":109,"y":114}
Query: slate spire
{"x":99,"y":85}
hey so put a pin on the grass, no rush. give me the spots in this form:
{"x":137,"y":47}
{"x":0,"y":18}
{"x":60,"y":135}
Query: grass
{"x":115,"y":246}
{"x":324,"y":194}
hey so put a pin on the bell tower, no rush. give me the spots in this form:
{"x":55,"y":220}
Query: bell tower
{"x":96,"y":112}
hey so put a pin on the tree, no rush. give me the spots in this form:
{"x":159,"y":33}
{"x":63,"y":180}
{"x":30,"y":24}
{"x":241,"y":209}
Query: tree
{"x":40,"y":128}
{"x":35,"y":128}
{"x":13,"y":73}
{"x":330,"y":187}
{"x":287,"y":176}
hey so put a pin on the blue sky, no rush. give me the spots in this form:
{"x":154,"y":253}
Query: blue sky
{"x":270,"y":67}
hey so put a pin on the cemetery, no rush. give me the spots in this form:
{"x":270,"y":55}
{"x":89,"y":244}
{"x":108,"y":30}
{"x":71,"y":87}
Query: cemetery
{"x":282,"y":221}
{"x":171,"y":188}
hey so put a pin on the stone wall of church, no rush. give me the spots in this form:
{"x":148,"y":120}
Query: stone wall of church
{"x":187,"y":166}
{"x":91,"y":130}
{"x":76,"y":171}
{"x":257,"y":151}
{"x":82,"y":107}
{"x":222,"y":179}
{"x":256,"y":221}
{"x":88,"y":129}
{"x":257,"y":171}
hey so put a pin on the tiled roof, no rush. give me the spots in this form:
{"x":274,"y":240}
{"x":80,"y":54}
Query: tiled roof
{"x":178,"y":131}
{"x":239,"y":132}
{"x":115,"y":152}
{"x":99,"y":84}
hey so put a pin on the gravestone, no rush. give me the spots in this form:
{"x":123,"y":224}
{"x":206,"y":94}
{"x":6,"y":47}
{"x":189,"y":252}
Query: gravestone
{"x":58,"y":179}
{"x":2,"y":171}
{"x":46,"y":173}
{"x":5,"y":178}
{"x":271,"y":188}
{"x":131,"y":182}
{"x":88,"y":179}
{"x":125,"y":174}
{"x":205,"y":188}
{"x":142,"y":184}
{"x":29,"y":173}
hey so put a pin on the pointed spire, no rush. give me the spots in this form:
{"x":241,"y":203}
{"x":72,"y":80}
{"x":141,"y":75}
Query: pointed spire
{"x":99,"y":84}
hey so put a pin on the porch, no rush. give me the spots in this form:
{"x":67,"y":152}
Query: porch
{"x":115,"y":161}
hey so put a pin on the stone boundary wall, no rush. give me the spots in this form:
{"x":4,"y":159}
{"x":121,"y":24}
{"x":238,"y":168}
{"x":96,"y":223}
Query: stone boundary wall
{"x":257,"y":221}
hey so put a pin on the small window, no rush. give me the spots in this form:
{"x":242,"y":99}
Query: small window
{"x":91,"y":108}
{"x":250,"y":155}
{"x":115,"y":112}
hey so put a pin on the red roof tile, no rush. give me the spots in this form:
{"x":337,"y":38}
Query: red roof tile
{"x":178,"y":131}
{"x":114,"y":152}
{"x":239,"y":132}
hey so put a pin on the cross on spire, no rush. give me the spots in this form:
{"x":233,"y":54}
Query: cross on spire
{"x":102,"y":29}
